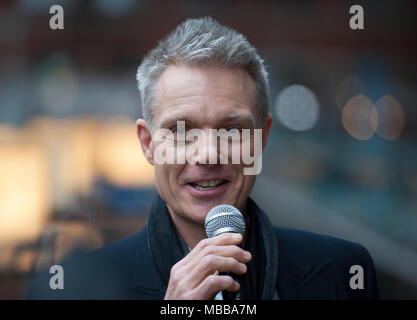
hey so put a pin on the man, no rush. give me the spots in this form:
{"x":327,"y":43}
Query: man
{"x":206,"y":76}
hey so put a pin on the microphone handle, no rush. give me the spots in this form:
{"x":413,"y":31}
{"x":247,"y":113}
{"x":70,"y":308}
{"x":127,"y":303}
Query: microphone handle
{"x":228,"y":296}
{"x":244,"y":287}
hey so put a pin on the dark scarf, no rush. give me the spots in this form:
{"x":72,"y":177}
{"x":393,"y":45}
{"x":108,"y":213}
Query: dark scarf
{"x":259,"y":282}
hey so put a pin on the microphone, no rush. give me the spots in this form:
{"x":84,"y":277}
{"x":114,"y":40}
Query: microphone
{"x":221,"y":219}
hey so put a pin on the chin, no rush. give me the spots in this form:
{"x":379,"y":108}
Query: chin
{"x":200,"y":209}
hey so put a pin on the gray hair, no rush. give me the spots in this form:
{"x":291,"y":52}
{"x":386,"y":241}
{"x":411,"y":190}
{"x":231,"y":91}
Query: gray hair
{"x":196,"y":42}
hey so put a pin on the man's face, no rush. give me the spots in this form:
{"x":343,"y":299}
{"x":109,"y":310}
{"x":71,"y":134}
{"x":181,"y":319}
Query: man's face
{"x":205,"y":98}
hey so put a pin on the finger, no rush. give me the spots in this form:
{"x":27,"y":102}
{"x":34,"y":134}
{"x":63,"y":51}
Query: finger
{"x":220,"y":240}
{"x":213,"y":284}
{"x":225,"y":251}
{"x":209,"y":264}
{"x":236,"y":252}
{"x":207,"y":255}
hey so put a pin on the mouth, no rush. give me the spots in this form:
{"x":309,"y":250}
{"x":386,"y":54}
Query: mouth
{"x":207,"y":184}
{"x":207,"y":188}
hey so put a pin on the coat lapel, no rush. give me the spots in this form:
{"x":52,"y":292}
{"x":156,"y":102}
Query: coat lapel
{"x":306,"y":281}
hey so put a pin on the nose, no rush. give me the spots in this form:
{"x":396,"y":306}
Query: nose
{"x":208,"y":151}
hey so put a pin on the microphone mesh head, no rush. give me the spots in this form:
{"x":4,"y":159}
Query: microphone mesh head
{"x":224,"y":218}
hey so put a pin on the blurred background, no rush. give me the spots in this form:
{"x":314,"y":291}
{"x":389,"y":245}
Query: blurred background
{"x":341,"y":158}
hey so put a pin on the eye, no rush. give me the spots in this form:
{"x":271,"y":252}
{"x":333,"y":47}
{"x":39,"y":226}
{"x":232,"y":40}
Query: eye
{"x":179,"y":130}
{"x":233,"y":130}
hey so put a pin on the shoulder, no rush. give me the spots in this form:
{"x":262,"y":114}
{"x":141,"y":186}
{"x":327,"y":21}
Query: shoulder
{"x":316,"y":247}
{"x":98,"y":274}
{"x":323,"y":264}
{"x":122,"y":252}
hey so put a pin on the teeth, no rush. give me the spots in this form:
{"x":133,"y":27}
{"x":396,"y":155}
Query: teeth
{"x":209,"y":184}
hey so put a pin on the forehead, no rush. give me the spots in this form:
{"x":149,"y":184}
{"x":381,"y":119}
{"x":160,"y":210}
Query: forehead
{"x":204,"y":93}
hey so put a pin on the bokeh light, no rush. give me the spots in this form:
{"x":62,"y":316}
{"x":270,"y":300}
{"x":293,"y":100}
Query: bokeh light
{"x":391,"y":118}
{"x":359,"y":117}
{"x":68,"y":146}
{"x":297,"y":108}
{"x":24,"y":188}
{"x":119,"y":157}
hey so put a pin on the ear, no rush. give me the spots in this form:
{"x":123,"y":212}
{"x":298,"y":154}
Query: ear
{"x":145,"y":139}
{"x":265,"y":130}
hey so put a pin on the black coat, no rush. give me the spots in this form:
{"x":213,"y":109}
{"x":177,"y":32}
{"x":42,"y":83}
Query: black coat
{"x":311,"y":266}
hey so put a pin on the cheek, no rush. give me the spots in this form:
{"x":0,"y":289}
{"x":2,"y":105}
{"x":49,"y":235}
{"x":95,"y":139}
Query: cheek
{"x":246,"y":183}
{"x":167,"y":176}
{"x":246,"y":188}
{"x":160,"y":177}
{"x":240,"y":181}
{"x":249,"y":181}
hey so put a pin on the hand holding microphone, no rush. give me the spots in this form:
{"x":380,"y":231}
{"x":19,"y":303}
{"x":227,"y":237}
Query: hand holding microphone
{"x":195,"y":276}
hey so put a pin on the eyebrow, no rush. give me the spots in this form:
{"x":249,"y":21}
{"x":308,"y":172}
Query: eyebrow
{"x":246,"y":118}
{"x":238,"y":117}
{"x":172,"y":121}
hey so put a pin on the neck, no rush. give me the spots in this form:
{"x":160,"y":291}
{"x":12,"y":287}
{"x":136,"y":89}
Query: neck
{"x":191,"y":232}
